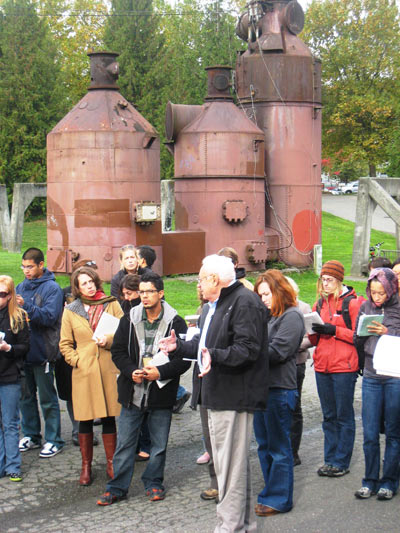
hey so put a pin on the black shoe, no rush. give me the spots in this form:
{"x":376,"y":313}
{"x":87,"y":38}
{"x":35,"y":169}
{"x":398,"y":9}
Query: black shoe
{"x":335,"y":471}
{"x":324,"y":470}
{"x":179,"y":405}
{"x":296,"y":459}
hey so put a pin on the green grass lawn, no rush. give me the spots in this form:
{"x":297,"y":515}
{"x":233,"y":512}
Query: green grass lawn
{"x":337,"y":243}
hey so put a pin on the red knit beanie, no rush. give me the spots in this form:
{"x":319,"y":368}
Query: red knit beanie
{"x":334,"y":269}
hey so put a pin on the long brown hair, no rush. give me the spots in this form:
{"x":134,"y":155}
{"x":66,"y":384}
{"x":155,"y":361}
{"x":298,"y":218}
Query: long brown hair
{"x":283,"y":295}
{"x":18,"y":316}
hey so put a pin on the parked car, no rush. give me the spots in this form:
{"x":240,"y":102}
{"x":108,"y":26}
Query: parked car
{"x":350,"y":188}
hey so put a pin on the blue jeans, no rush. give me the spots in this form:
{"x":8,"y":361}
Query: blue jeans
{"x":381,"y":396}
{"x":272,"y":431}
{"x":10,"y":458}
{"x":37,"y":380}
{"x":130,"y":420}
{"x":336,"y":394}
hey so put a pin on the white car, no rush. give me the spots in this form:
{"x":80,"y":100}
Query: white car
{"x":350,"y":188}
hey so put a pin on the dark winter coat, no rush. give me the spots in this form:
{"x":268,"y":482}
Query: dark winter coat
{"x":119,"y":276}
{"x":43,"y":301}
{"x":366,"y":345}
{"x":237,"y":340}
{"x":285,"y":333}
{"x":11,"y":362}
{"x":126,"y":354}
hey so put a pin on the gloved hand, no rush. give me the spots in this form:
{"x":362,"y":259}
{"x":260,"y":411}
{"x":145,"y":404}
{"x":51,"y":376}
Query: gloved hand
{"x":324,"y":329}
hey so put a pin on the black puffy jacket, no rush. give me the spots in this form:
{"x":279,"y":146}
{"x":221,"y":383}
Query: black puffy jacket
{"x":237,"y":340}
{"x":11,"y":362}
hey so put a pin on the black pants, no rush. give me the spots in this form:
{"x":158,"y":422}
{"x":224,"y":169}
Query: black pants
{"x":108,"y":423}
{"x":297,"y":419}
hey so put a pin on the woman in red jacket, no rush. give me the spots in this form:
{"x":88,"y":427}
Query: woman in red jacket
{"x":336,"y":366}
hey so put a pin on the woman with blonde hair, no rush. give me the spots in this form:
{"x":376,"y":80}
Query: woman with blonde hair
{"x":129,"y":262}
{"x":336,"y":366}
{"x":14,"y":345}
{"x":272,"y":426}
{"x":94,"y":375}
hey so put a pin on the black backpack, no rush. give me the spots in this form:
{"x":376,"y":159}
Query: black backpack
{"x":345,"y":309}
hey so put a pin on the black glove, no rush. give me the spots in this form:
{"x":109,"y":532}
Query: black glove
{"x":324,"y":329}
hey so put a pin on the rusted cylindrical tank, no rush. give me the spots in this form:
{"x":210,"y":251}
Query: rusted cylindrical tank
{"x":279,"y":83}
{"x":103,"y":177}
{"x":219,"y":172}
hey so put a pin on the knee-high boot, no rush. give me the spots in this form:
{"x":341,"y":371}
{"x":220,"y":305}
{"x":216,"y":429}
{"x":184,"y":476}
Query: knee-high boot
{"x":86,"y":446}
{"x":110,"y":442}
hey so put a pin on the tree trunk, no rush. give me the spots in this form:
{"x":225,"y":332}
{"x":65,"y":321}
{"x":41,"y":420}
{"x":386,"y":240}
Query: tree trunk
{"x":372,"y":170}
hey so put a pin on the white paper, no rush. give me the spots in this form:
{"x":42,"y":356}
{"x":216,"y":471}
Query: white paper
{"x":312,"y":318}
{"x":158,"y":360}
{"x":191,"y":332}
{"x":107,"y":325}
{"x":386,"y":358}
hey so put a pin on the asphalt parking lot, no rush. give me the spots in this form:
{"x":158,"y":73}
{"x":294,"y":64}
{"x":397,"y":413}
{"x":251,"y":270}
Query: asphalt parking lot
{"x":50,"y":500}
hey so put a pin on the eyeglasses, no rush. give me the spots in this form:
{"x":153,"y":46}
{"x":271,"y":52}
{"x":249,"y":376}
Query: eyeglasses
{"x":4,"y":294}
{"x":327,"y":280}
{"x":28,"y":267}
{"x":150,"y":291}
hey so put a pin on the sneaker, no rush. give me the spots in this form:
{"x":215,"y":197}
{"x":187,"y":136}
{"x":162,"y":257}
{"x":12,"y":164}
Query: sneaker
{"x":364,"y":493}
{"x":384,"y":494}
{"x":108,"y":499}
{"x":179,"y":404}
{"x":203,"y":459}
{"x":209,"y":494}
{"x":155,"y":495}
{"x":49,"y":450}
{"x":323,"y":471}
{"x":15,"y":477}
{"x":335,"y":471}
{"x":26,"y":444}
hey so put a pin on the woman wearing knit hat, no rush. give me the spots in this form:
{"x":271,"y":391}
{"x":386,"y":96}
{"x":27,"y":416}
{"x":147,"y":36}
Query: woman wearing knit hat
{"x":336,"y":366}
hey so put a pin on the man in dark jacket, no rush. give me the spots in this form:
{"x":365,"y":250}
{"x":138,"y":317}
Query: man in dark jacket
{"x":232,"y":349}
{"x":42,"y":299}
{"x":144,"y":386}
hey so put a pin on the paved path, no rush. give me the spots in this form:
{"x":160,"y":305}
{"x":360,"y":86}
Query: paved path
{"x":344,"y":206}
{"x":50,"y":500}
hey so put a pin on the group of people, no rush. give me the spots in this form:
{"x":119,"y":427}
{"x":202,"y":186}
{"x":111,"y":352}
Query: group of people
{"x":127,"y":351}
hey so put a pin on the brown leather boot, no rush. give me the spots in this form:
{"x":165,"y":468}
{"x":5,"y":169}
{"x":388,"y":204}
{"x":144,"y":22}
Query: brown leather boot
{"x":86,"y":446}
{"x":110,"y":442}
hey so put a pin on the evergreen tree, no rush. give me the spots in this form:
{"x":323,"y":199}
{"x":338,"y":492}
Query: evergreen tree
{"x":29,"y":94}
{"x":132,"y":31}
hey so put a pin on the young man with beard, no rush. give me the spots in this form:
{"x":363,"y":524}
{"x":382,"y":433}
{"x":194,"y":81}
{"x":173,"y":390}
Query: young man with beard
{"x":135,"y":342}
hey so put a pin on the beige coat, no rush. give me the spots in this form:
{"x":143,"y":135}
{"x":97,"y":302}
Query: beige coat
{"x":94,"y":375}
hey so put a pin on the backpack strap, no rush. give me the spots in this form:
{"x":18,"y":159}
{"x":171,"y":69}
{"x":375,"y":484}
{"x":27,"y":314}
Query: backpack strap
{"x":345,"y":310}
{"x":319,"y":306}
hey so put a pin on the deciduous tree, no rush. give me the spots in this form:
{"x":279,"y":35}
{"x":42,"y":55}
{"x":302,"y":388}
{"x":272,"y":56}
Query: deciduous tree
{"x":358,"y":42}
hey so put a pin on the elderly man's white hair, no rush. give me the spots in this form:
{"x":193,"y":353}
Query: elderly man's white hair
{"x":220,"y":265}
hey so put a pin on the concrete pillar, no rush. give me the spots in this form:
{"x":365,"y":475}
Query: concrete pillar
{"x":397,"y":228}
{"x":167,"y":204}
{"x":362,"y":231}
{"x":23,"y":195}
{"x":4,"y":217}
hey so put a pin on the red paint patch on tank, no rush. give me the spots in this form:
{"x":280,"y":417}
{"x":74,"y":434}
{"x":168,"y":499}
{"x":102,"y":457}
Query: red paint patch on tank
{"x":306,"y":230}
